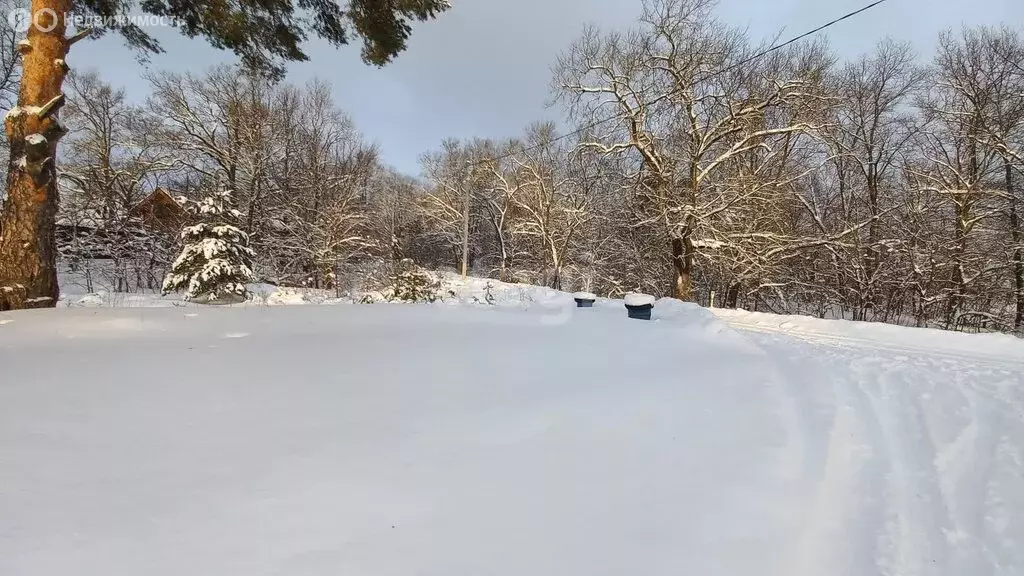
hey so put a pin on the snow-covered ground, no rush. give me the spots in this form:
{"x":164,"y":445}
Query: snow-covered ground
{"x":521,"y":438}
{"x":916,"y":437}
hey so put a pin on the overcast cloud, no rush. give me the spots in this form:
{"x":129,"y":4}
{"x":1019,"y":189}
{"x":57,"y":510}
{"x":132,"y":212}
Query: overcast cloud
{"x":483,"y":69}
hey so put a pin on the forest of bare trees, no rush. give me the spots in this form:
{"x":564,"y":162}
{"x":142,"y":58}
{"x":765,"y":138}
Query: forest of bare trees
{"x":886,"y":187}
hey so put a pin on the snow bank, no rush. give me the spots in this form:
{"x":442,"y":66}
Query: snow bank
{"x":284,"y":296}
{"x":106,"y":299}
{"x":877,"y":334}
{"x":483,"y":291}
{"x":557,"y":305}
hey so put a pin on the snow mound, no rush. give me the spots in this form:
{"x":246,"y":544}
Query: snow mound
{"x":635,"y":299}
{"x":872,"y":334}
{"x":471,"y":290}
{"x":93,"y":299}
{"x":107,"y":299}
{"x":285,"y":297}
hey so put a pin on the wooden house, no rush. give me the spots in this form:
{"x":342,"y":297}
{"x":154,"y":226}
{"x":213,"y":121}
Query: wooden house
{"x":160,"y":212}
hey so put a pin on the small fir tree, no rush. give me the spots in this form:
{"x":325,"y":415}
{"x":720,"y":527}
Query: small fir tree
{"x":411,"y":284}
{"x":215,"y":263}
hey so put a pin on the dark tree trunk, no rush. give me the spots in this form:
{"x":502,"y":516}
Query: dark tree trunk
{"x":682,"y":266}
{"x":732,"y":295}
{"x":1018,"y":257}
{"x":28,"y":254}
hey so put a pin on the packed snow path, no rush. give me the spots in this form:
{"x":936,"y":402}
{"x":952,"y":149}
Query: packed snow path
{"x":396,"y":440}
{"x":916,"y":452}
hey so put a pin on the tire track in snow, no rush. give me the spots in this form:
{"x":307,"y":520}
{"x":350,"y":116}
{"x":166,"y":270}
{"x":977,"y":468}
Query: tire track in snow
{"x":840,"y":470}
{"x":798,"y":460}
{"x":1007,"y":365}
{"x":911,"y":538}
{"x":1004,"y":501}
{"x":951,"y":430}
{"x":941,"y":480}
{"x":817,"y":544}
{"x":973,"y":470}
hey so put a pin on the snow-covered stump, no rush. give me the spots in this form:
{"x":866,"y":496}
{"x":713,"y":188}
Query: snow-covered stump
{"x":639,"y":306}
{"x":584,"y":299}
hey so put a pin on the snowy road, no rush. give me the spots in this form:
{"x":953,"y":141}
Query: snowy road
{"x":922,"y":465}
{"x":921,"y":470}
{"x":394,"y":440}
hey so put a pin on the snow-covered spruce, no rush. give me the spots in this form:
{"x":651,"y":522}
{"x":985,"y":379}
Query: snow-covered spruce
{"x":413,"y":284}
{"x":214,"y":265}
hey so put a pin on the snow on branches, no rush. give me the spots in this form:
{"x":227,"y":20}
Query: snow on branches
{"x":215,"y":263}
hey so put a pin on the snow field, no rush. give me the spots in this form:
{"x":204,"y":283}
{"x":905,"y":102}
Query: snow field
{"x":524,"y":437}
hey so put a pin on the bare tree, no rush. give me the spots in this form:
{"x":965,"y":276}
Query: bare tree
{"x":548,"y":204}
{"x":204,"y":120}
{"x":456,"y":175}
{"x":959,"y":164}
{"x":112,"y":161}
{"x":1006,"y":133}
{"x":391,"y":211}
{"x":867,"y":141}
{"x":318,"y":201}
{"x":678,"y":97}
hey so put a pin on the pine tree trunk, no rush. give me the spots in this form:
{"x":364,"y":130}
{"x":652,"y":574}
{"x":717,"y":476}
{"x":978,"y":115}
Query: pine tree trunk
{"x":28,"y":254}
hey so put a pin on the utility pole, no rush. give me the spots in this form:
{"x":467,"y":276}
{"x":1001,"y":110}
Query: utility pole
{"x":465,"y":225}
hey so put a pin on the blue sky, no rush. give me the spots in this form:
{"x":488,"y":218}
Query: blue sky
{"x":483,"y":68}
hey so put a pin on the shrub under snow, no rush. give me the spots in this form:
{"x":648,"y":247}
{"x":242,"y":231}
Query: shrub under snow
{"x":412,"y":284}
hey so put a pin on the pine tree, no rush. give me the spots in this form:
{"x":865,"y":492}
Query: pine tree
{"x":214,"y":265}
{"x":412,"y":284}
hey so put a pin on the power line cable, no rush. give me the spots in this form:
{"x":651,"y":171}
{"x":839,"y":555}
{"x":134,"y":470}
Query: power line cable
{"x":729,"y":68}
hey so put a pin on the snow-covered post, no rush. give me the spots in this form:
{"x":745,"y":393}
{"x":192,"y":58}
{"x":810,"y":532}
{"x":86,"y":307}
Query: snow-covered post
{"x":584,"y":299}
{"x":639,"y":306}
